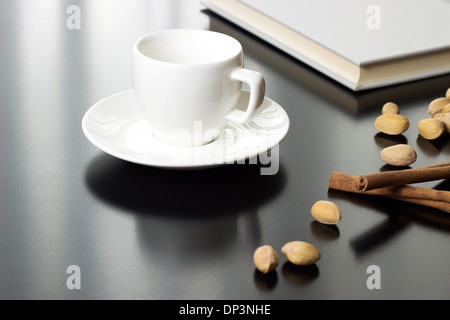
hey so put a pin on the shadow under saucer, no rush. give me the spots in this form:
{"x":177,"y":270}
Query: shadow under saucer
{"x":181,"y":193}
{"x":186,"y":216}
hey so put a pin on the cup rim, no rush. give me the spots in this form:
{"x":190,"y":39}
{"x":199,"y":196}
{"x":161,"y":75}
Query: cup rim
{"x":175,"y":64}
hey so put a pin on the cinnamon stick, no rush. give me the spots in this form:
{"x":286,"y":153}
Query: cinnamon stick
{"x":427,"y":197}
{"x":438,"y":165}
{"x":390,"y":178}
{"x":344,"y":182}
{"x":412,"y":192}
{"x":397,"y":178}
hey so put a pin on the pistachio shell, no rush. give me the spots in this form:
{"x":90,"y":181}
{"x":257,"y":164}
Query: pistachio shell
{"x":437,"y":105}
{"x":326,"y":212}
{"x":392,"y":124}
{"x":446,"y":109}
{"x":445,"y":119}
{"x":399,"y":155}
{"x":390,"y":108}
{"x":447,"y":94}
{"x":431,"y":128}
{"x":265,"y":259}
{"x":301,"y":253}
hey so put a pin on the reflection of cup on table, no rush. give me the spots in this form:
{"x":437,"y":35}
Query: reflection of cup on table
{"x":187,"y":83}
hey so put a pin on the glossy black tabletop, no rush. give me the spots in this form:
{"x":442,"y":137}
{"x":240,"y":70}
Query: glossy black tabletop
{"x":138,"y":232}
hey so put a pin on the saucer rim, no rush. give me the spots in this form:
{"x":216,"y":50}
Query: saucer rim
{"x":181,"y":166}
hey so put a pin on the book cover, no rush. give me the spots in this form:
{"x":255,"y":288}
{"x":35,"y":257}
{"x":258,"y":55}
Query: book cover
{"x":362,"y":44}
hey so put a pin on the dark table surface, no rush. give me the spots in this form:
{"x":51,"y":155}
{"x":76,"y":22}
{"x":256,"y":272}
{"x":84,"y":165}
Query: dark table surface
{"x":139,"y":232}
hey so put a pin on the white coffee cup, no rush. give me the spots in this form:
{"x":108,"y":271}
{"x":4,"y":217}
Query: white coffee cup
{"x":187,"y":84}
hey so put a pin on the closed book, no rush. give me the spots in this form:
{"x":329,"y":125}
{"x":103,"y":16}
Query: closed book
{"x":362,"y":44}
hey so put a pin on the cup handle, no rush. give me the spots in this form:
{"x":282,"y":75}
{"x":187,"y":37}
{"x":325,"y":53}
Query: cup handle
{"x":257,"y":85}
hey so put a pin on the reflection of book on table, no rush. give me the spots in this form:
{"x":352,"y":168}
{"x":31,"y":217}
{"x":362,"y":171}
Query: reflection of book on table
{"x":362,"y":44}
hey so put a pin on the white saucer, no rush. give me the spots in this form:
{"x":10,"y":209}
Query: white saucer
{"x":116,"y":126}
